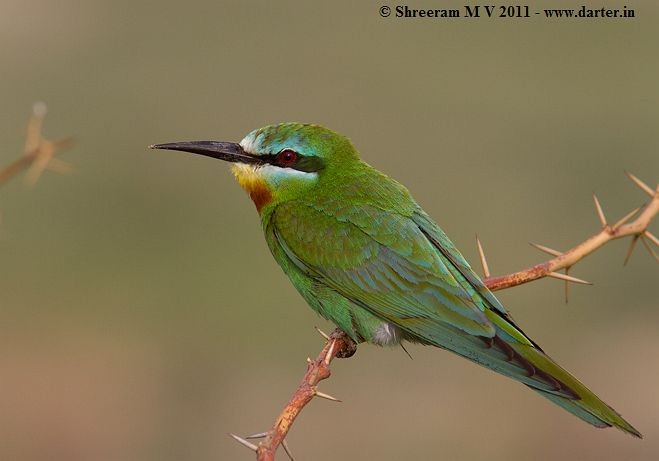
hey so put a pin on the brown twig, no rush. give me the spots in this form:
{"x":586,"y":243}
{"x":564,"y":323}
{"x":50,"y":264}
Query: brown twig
{"x":638,"y":229}
{"x":38,"y":153}
{"x":339,"y":345}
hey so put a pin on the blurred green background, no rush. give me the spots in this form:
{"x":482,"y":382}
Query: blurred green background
{"x":141,"y":314}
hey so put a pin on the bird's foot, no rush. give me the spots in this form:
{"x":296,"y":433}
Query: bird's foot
{"x":348,"y":348}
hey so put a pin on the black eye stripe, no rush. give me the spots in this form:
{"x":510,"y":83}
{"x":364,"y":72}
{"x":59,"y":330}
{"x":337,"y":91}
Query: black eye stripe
{"x":306,"y":163}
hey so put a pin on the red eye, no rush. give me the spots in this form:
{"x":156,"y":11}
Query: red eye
{"x":287,"y":157}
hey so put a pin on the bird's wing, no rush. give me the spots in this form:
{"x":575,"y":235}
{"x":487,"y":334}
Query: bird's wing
{"x":460,"y":268}
{"x":389,"y":265}
{"x":380,"y":261}
{"x":442,"y":243}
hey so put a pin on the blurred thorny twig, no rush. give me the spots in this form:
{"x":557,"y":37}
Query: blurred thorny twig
{"x":339,"y":345}
{"x":38,"y":153}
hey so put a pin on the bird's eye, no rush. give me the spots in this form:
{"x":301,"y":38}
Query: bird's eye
{"x":287,"y":157}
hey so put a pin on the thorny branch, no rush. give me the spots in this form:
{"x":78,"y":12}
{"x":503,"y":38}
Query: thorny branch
{"x":339,"y":345}
{"x":38,"y":153}
{"x":637,"y":229}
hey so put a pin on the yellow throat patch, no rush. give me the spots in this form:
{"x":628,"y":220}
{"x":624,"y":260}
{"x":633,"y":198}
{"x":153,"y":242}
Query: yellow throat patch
{"x":250,"y":180}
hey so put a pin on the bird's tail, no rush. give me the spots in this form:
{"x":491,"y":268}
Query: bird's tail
{"x":583,"y":403}
{"x":512,"y":354}
{"x":524,"y":361}
{"x":549,"y":379}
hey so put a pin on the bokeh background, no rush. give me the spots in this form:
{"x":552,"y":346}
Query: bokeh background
{"x":141,"y":314}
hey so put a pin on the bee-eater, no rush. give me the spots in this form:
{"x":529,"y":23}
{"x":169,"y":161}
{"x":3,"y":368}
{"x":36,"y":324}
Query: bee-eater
{"x":365,"y":255}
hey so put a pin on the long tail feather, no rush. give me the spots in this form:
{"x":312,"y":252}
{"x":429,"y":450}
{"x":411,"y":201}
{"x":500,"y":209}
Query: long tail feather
{"x":528,"y":364}
{"x":587,"y":405}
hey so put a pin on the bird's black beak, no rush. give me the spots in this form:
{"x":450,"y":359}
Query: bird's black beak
{"x":227,"y":151}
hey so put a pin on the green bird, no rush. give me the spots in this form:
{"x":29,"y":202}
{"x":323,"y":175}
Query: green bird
{"x":365,"y":255}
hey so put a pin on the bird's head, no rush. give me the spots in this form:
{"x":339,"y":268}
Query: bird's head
{"x":279,"y":162}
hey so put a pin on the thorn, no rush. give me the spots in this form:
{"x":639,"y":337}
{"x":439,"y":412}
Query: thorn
{"x":59,"y":166}
{"x":640,"y":184}
{"x":244,"y":442}
{"x":322,"y":395}
{"x":600,"y":213}
{"x":63,"y":143}
{"x":403,"y":347}
{"x":309,"y":360}
{"x":630,"y":250}
{"x":322,"y":333}
{"x":652,"y":238}
{"x":568,"y":278}
{"x":545,"y":249}
{"x":260,"y":435}
{"x":33,"y":139}
{"x":481,"y":253}
{"x":287,"y":449}
{"x":624,"y":219}
{"x":330,"y":352}
{"x":650,"y":250}
{"x":39,"y":109}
